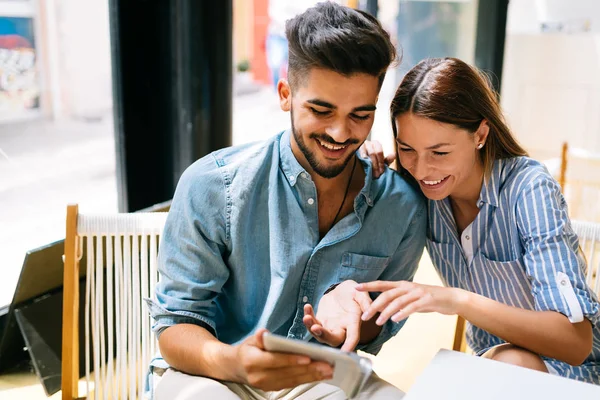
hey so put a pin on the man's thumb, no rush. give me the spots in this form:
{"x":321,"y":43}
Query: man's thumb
{"x":257,"y":338}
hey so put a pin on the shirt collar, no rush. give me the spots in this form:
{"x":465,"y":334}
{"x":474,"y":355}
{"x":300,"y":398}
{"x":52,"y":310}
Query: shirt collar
{"x":292,"y":168}
{"x":369,"y":187}
{"x":490,"y":190}
{"x":289,"y":165}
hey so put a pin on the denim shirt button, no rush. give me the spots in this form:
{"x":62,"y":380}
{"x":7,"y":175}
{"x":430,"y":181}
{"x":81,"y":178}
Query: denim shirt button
{"x":346,"y":259}
{"x":305,"y":299}
{"x":311,"y":201}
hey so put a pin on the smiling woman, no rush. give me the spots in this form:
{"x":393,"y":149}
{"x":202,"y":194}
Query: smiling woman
{"x":499,"y":234}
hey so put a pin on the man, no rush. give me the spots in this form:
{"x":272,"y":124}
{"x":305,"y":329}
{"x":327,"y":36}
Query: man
{"x":258,"y":233}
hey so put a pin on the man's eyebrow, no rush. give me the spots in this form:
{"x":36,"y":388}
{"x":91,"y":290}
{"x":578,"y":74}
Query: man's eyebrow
{"x":321,"y":103}
{"x":368,"y":107}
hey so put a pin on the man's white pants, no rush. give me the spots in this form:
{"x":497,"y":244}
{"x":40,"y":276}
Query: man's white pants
{"x":175,"y":385}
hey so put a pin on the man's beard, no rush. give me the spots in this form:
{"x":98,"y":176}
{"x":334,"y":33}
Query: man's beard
{"x":322,"y":170}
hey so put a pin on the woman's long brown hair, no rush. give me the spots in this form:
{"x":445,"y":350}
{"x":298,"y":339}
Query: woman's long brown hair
{"x":449,"y":90}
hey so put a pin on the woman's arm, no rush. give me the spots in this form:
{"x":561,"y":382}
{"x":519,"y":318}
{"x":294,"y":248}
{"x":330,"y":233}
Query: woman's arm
{"x":547,"y":333}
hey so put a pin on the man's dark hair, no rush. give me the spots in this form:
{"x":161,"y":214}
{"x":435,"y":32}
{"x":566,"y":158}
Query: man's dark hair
{"x":337,"y":38}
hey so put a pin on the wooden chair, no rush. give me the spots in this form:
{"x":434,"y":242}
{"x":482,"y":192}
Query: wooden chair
{"x":460,"y":341}
{"x":589,"y":243}
{"x":120,"y":270}
{"x":579,"y":178}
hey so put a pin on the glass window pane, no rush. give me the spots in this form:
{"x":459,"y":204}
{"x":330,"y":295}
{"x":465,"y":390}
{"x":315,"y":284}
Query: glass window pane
{"x":56,"y":125}
{"x":422,"y":29}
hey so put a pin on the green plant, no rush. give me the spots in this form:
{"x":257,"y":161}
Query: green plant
{"x":243,"y":66}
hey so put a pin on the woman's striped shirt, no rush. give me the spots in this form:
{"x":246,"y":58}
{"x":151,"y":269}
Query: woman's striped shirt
{"x":525,"y":254}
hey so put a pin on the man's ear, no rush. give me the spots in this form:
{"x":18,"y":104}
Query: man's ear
{"x":285,"y":95}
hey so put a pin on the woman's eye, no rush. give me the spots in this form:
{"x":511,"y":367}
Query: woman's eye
{"x":405,"y":150}
{"x":440,"y":153}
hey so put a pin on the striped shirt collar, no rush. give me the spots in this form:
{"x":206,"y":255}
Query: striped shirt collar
{"x":490,"y":190}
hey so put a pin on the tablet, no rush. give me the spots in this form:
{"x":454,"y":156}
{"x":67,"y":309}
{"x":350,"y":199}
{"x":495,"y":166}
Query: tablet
{"x":350,"y":371}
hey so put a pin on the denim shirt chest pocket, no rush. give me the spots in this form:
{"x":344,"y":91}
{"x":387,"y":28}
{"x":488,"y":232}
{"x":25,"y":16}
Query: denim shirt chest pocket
{"x":361,"y":267}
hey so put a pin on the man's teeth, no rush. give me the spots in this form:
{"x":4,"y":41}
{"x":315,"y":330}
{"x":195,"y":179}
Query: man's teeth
{"x":330,"y":146}
{"x":432,"y":182}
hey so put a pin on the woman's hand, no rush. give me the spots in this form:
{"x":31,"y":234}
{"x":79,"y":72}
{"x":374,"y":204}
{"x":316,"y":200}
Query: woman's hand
{"x":398,"y":300}
{"x":374,"y":151}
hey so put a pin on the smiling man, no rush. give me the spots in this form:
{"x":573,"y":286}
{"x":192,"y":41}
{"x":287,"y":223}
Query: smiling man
{"x":258,"y":234}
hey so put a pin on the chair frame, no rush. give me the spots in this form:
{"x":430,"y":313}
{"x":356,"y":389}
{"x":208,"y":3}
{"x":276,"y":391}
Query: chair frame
{"x":70,"y":336}
{"x":71,"y":294}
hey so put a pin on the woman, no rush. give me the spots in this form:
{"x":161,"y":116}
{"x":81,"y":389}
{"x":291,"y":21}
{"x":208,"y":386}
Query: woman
{"x":499,"y":234}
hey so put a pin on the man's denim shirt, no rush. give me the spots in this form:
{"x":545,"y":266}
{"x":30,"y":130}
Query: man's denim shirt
{"x":241,"y":250}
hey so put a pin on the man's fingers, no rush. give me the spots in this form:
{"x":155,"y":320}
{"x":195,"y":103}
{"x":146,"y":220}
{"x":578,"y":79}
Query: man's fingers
{"x":317,"y":331}
{"x":308,"y":310}
{"x":284,"y":378}
{"x":352,"y":337}
{"x":273,"y":360}
{"x":333,"y":337}
{"x":316,"y":328}
{"x":313,"y":326}
{"x":363,"y":299}
{"x":257,"y":338}
{"x":311,"y":322}
{"x":317,"y":371}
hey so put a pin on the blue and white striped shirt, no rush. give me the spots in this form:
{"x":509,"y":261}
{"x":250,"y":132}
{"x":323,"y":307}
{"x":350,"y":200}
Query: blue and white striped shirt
{"x":525,"y":254}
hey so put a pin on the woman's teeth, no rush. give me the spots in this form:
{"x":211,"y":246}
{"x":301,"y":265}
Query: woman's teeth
{"x":431,"y":183}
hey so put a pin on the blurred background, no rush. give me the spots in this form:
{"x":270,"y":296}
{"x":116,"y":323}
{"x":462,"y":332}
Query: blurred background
{"x":105,"y":102}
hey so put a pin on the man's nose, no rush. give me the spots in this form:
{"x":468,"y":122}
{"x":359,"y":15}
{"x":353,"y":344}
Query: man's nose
{"x":339,"y":131}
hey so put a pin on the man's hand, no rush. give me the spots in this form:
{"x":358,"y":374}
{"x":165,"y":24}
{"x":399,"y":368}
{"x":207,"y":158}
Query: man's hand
{"x":338,"y":316}
{"x":275,"y":371}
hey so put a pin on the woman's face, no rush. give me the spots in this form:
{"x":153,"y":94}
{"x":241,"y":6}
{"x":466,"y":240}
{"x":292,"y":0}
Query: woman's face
{"x":442,"y":157}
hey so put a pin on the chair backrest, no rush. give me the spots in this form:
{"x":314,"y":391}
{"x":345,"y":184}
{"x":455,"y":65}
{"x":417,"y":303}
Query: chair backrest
{"x":580,"y":181}
{"x":121,"y":269}
{"x":589,"y":241}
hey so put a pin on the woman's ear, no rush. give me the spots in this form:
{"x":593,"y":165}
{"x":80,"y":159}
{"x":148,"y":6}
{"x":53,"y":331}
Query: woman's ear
{"x":285,"y":95}
{"x":481,"y":134}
